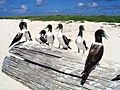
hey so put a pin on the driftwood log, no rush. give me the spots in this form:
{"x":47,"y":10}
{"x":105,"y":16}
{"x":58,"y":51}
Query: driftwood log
{"x":42,"y":68}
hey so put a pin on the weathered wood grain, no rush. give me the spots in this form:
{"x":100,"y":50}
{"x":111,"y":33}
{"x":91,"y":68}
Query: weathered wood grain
{"x":44,"y":68}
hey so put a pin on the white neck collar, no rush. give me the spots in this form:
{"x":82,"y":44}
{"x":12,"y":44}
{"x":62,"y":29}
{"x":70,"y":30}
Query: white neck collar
{"x":97,"y":43}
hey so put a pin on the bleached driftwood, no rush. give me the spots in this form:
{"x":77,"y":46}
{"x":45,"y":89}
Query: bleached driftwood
{"x":44,"y":68}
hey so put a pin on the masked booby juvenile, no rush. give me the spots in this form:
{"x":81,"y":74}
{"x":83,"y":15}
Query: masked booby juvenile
{"x":95,"y":54}
{"x":23,"y":33}
{"x":63,"y":40}
{"x":49,"y":35}
{"x":80,"y":42}
{"x":41,"y":37}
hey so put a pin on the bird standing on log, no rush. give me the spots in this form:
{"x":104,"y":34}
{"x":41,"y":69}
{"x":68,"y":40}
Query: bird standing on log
{"x":80,"y":42}
{"x":50,"y":36}
{"x":41,"y":37}
{"x":23,"y":33}
{"x":95,"y":54}
{"x":63,"y":40}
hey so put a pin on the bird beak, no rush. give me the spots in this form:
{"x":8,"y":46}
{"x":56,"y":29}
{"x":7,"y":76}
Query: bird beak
{"x":57,"y":27}
{"x":45,"y":27}
{"x":106,"y":36}
{"x":83,"y":28}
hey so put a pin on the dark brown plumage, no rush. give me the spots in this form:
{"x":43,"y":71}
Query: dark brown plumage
{"x":16,"y":38}
{"x":95,"y":54}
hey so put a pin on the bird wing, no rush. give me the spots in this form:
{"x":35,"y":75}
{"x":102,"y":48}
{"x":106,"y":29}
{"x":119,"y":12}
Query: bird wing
{"x":43,"y":38}
{"x":76,"y":40}
{"x":16,"y":38}
{"x":84,"y":43}
{"x":29,"y":35}
{"x":53,"y":37}
{"x":66,"y":40}
{"x":94,"y":56}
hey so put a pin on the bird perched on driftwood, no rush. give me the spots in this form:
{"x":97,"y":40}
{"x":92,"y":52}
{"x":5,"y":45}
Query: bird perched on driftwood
{"x":95,"y":54}
{"x":80,"y":42}
{"x":50,"y":36}
{"x":23,"y":33}
{"x":41,"y":37}
{"x":63,"y":40}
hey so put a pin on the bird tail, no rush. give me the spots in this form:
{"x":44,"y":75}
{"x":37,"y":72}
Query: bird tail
{"x":86,"y":48}
{"x":11,"y":44}
{"x":84,"y":77}
{"x":116,"y":78}
{"x":31,"y":39}
{"x":83,"y":72}
{"x":47,"y":43}
{"x":85,"y":45}
{"x":69,"y":47}
{"x":69,"y":40}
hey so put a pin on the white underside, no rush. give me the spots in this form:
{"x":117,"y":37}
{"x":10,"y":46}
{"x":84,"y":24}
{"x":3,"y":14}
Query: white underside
{"x":25,"y":34}
{"x":23,"y":38}
{"x":61,"y":41}
{"x":79,"y":43}
{"x":50,"y":38}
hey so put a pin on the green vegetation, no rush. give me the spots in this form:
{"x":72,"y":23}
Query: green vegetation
{"x":63,"y":18}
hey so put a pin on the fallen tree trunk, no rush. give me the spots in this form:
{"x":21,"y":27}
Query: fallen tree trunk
{"x":44,"y":68}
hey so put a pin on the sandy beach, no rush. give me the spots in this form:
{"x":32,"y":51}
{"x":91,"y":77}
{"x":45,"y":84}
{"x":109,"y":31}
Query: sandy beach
{"x":9,"y":28}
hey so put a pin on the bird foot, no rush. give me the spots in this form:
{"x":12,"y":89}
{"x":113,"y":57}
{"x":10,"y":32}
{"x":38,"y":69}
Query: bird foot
{"x":82,"y":82}
{"x":87,"y":48}
{"x":64,"y":48}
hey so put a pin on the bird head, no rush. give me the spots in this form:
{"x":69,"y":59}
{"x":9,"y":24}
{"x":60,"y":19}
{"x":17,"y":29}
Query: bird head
{"x":49,"y":26}
{"x":81,"y":27}
{"x":101,"y":33}
{"x":60,"y":26}
{"x":42,"y":32}
{"x":22,"y":25}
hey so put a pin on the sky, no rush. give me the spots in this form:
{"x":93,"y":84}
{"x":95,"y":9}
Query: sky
{"x":50,"y":7}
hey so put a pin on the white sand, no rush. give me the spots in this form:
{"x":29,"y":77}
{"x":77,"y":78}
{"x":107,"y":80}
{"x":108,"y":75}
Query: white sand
{"x":9,"y":28}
